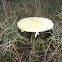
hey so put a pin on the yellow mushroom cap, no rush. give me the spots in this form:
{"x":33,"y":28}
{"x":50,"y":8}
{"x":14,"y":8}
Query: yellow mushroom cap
{"x":35,"y":24}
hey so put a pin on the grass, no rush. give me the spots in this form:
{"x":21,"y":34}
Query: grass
{"x":16,"y":46}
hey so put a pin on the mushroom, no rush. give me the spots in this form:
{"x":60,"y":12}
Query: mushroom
{"x":35,"y":24}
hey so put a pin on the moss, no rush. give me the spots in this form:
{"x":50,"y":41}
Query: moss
{"x":36,"y":55}
{"x":36,"y":60}
{"x":43,"y":51}
{"x":46,"y":46}
{"x":22,"y":42}
{"x":36,"y":46}
{"x":33,"y":60}
{"x":43,"y":46}
{"x":30,"y":43}
{"x":39,"y":41}
{"x":42,"y":43}
{"x":31,"y":54}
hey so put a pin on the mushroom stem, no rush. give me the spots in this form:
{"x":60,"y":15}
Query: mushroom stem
{"x":22,"y":31}
{"x":33,"y":37}
{"x":37,"y":33}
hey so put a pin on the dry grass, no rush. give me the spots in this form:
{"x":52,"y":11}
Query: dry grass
{"x":16,"y":46}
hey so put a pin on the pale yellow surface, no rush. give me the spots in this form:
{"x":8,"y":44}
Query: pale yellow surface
{"x":35,"y":24}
